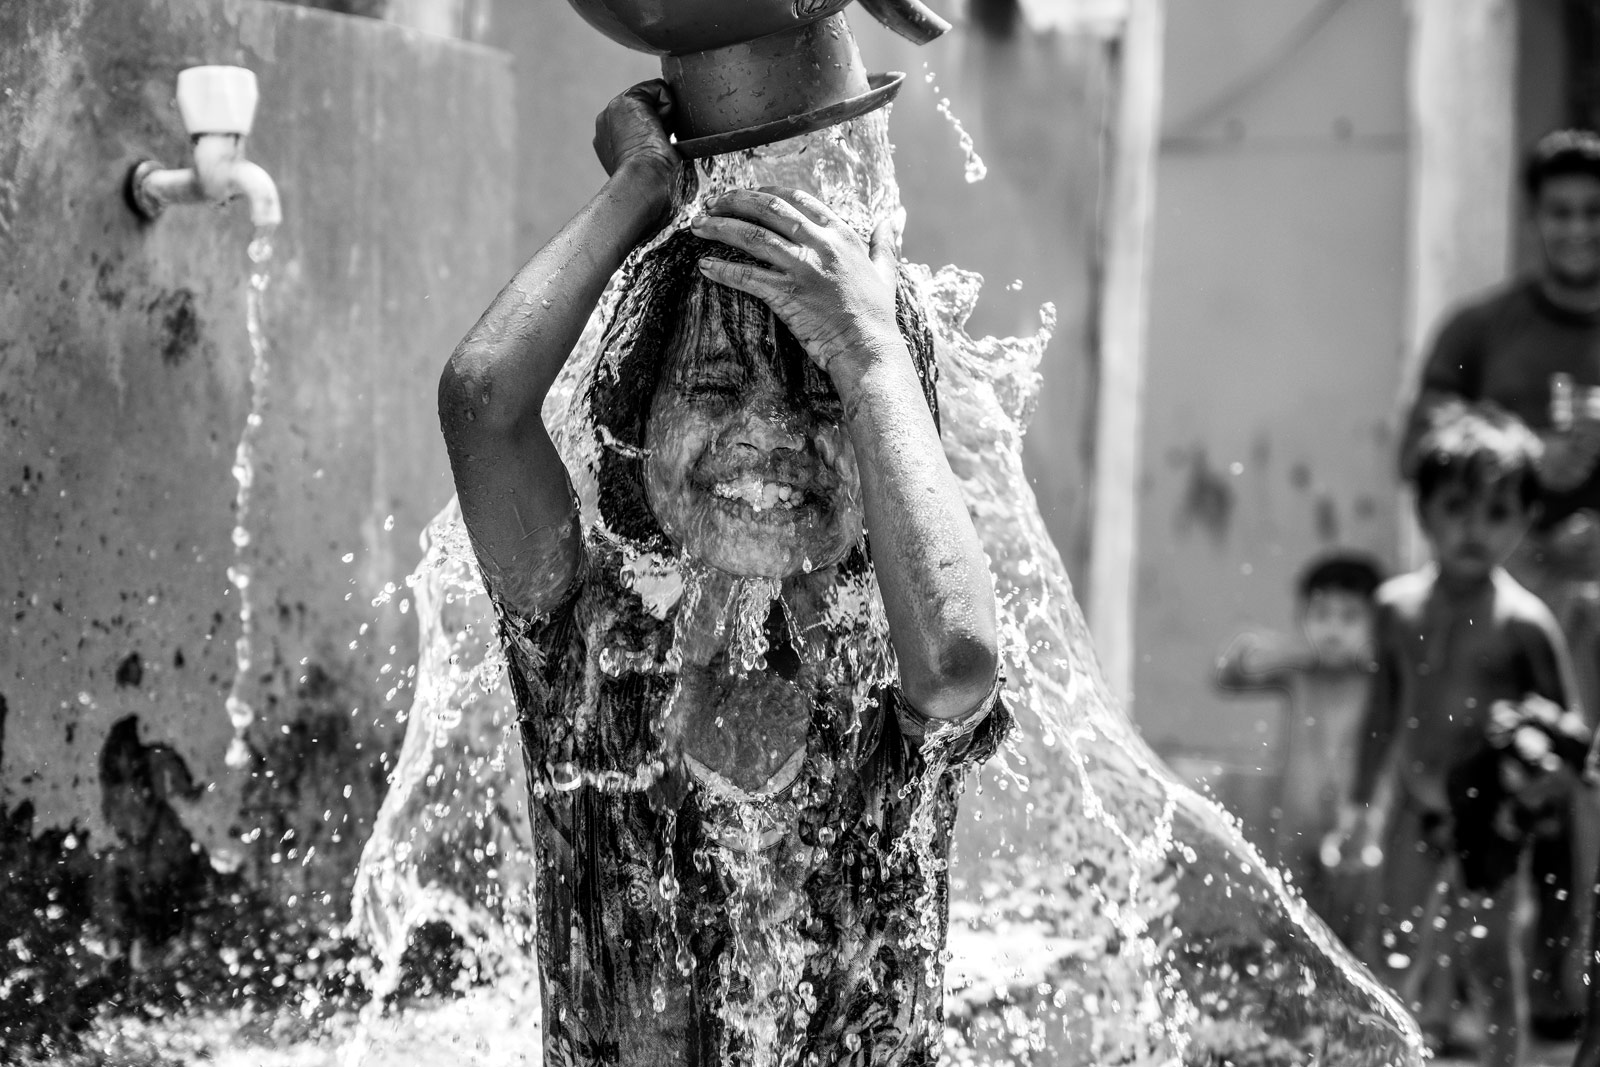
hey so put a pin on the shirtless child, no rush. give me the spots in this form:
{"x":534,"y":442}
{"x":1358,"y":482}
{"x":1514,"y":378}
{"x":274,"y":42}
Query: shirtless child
{"x":1325,"y":676}
{"x":1451,"y":640}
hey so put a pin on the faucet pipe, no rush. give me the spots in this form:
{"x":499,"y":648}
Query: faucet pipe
{"x":220,"y":173}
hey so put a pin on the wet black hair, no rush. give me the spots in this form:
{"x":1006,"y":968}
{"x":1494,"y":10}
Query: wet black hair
{"x":1340,"y":572}
{"x":1478,"y":444}
{"x":654,"y":309}
{"x":1557,"y":155}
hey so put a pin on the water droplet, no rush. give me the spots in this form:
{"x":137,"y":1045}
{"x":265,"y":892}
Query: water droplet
{"x":238,"y":755}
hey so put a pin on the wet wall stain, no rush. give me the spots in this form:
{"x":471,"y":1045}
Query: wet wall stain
{"x":105,"y":287}
{"x":159,"y":872}
{"x":130,"y":672}
{"x":173,"y":931}
{"x":54,"y":987}
{"x":1326,"y":519}
{"x":1208,"y":499}
{"x":47,"y":882}
{"x":178,"y":324}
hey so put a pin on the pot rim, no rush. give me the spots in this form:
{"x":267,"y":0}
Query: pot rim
{"x":884,"y":88}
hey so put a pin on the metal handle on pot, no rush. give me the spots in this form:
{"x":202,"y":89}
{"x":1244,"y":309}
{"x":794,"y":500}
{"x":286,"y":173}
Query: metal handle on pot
{"x":911,"y":19}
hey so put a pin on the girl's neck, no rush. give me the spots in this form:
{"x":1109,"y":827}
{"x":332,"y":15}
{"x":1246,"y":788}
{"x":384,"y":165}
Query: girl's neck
{"x":717,"y":606}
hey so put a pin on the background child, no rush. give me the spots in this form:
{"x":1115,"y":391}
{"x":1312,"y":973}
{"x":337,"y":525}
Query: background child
{"x":1326,"y":675}
{"x":1453,"y":640}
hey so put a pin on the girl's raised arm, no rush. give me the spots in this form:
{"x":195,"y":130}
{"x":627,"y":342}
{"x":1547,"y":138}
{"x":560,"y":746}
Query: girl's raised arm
{"x":515,"y":495}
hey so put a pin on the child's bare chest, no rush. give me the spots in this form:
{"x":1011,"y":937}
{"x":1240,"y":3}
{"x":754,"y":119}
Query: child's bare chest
{"x":1454,"y":667}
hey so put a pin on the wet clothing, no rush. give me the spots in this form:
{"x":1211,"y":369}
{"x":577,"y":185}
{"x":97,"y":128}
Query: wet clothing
{"x":1505,"y":348}
{"x":693,"y":913}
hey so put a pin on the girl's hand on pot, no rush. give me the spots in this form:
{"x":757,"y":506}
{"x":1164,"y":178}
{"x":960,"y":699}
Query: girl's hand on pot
{"x":835,"y":291}
{"x":631,"y":135}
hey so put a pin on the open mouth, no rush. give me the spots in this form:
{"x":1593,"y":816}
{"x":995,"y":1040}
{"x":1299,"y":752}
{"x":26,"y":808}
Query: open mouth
{"x":760,"y":494}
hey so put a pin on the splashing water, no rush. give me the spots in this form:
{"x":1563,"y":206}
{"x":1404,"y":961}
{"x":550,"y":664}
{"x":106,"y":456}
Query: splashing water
{"x":748,"y":645}
{"x":1098,"y":906}
{"x":974,"y":169}
{"x":240,"y":713}
{"x":451,"y":841}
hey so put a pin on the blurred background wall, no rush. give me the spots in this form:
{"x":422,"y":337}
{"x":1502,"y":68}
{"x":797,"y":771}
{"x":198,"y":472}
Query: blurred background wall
{"x":1334,"y":176}
{"x":1276,"y":344}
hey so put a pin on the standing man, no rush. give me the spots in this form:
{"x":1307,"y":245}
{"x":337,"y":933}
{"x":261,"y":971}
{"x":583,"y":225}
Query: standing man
{"x":1533,"y":347}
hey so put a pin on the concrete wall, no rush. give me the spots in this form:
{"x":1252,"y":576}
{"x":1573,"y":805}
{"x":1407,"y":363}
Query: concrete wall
{"x":124,"y":388}
{"x":1276,"y":337}
{"x":1035,"y":104}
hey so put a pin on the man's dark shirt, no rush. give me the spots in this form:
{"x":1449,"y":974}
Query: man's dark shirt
{"x":1504,"y":348}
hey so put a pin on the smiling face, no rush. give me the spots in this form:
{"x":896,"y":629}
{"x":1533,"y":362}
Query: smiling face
{"x":749,"y":467}
{"x":1566,"y":214}
{"x":1474,"y":528}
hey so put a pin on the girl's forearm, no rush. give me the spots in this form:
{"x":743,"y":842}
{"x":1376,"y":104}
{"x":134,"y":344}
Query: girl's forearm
{"x":507,"y":362}
{"x":937,"y":590}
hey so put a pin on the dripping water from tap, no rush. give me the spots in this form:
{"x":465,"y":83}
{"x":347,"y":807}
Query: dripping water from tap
{"x":240,"y":712}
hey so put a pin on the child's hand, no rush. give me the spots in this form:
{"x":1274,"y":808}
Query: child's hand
{"x":632,"y":132}
{"x":832,"y":288}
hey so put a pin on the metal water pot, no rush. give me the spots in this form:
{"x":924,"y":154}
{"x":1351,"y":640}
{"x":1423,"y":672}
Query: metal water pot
{"x":750,"y":72}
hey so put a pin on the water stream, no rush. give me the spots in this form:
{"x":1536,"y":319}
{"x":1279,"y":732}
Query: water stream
{"x":1099,"y":907}
{"x":974,"y":169}
{"x":237,"y":704}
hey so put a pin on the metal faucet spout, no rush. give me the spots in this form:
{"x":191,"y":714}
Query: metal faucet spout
{"x":220,"y":174}
{"x":224,"y":173}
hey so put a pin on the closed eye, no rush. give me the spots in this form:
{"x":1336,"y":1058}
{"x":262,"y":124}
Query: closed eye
{"x":710,"y":389}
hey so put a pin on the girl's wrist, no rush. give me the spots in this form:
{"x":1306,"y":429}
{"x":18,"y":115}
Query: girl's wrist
{"x":646,"y":184}
{"x":867,"y":362}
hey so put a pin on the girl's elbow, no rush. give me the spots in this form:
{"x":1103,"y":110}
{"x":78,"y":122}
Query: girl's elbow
{"x":962,"y":674}
{"x":469,"y":403}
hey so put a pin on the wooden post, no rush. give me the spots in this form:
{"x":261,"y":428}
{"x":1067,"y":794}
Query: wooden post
{"x":1464,"y":155}
{"x":1124,"y":329}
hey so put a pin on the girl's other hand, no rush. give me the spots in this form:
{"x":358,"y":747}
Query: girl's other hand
{"x":834,"y":290}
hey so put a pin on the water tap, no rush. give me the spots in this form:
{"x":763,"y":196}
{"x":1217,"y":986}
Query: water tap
{"x":218,"y":105}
